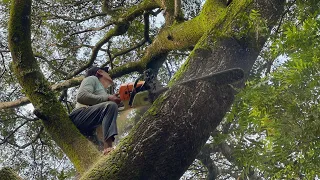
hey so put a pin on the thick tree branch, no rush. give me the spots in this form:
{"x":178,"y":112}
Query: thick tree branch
{"x":13,"y":104}
{"x":37,"y":89}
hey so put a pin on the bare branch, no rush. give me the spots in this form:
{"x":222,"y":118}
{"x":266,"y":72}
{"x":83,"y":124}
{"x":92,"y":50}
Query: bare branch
{"x":124,"y":51}
{"x":2,"y":57}
{"x":93,"y":29}
{"x":67,"y":18}
{"x":6,"y":139}
{"x":138,"y":45}
{"x":29,"y":143}
{"x":169,"y":71}
{"x":50,"y":65}
{"x":14,"y":104}
{"x":283,"y":15}
{"x":117,"y":30}
{"x":110,"y":56}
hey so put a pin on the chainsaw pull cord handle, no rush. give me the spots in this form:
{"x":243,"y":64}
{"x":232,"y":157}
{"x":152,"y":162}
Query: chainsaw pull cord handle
{"x":134,"y":90}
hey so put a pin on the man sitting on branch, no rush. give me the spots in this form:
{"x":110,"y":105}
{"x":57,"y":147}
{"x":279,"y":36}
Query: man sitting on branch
{"x":96,"y":107}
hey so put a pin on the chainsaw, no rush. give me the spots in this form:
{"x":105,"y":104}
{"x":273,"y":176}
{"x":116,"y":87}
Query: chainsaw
{"x":143,"y":93}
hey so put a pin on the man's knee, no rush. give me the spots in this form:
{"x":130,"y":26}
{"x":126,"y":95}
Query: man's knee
{"x":112,"y":106}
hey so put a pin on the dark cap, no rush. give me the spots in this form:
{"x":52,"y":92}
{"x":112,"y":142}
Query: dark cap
{"x":93,"y":70}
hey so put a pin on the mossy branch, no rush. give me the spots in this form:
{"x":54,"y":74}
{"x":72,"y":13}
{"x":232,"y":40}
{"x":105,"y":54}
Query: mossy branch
{"x":179,"y":36}
{"x":8,"y":174}
{"x":79,"y":150}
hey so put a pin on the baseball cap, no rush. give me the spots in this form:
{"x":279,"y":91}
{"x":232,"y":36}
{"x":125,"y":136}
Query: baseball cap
{"x":93,"y":70}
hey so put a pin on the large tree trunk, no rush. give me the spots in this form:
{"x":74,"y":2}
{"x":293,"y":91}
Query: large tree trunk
{"x":169,"y":136}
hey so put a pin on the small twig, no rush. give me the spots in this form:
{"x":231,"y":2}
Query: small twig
{"x":93,"y":29}
{"x":67,"y":18}
{"x":168,"y":69}
{"x":28,"y":144}
{"x":146,"y":27}
{"x":52,"y":66}
{"x":4,"y":65}
{"x":6,"y":139}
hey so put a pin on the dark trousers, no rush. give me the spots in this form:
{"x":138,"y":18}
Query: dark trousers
{"x":87,"y":119}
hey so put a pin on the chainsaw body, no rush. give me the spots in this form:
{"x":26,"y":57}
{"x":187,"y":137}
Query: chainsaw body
{"x":126,"y":89}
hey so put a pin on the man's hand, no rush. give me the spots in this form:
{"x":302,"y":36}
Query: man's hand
{"x":114,"y":98}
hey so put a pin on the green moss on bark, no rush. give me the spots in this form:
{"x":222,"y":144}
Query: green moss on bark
{"x":8,"y":174}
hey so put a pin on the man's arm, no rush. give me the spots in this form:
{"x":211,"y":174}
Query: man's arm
{"x":86,"y":94}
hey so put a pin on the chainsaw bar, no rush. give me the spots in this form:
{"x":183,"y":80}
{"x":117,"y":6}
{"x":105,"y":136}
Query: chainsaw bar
{"x":220,"y":78}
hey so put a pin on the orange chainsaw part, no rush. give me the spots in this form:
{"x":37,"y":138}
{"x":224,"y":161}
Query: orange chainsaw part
{"x":126,"y":88}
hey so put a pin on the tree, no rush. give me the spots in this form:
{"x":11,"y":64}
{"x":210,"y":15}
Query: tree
{"x":169,"y":136}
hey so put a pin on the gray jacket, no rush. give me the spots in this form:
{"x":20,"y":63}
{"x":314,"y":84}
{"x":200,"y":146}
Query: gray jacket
{"x":91,"y":92}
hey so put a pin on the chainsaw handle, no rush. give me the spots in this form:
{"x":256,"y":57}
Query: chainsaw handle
{"x":134,"y":91}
